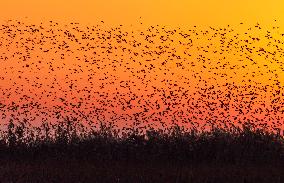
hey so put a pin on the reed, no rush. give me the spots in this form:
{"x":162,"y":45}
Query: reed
{"x":106,"y":154}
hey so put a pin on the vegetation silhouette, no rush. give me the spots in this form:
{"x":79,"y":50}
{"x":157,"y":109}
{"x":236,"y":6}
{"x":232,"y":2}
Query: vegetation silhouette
{"x":71,"y":152}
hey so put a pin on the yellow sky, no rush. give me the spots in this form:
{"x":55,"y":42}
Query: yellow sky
{"x":167,"y":12}
{"x":174,"y":13}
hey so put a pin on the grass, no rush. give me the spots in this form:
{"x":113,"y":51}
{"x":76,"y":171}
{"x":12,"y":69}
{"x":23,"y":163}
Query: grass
{"x":70,"y":152}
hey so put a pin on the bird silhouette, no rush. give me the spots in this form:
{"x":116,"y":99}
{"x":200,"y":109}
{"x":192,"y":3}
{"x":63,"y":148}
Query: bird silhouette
{"x":215,"y":75}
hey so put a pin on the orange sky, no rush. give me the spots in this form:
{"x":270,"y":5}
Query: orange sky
{"x":167,"y":12}
{"x":225,"y":53}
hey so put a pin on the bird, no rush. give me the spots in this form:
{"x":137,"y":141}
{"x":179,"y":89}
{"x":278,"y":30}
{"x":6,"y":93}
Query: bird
{"x":215,"y":75}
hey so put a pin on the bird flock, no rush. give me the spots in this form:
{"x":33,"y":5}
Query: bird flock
{"x":147,"y":76}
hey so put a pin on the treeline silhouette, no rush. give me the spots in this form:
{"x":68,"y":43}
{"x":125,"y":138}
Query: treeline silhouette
{"x":107,"y":154}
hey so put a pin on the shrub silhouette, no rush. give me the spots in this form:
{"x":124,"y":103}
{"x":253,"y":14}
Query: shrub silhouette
{"x":70,"y":141}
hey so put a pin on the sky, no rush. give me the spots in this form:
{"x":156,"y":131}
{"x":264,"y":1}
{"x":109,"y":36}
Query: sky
{"x":167,"y":12}
{"x":232,"y":59}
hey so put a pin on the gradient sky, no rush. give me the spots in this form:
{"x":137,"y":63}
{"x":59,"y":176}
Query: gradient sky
{"x":167,"y":12}
{"x":216,"y":57}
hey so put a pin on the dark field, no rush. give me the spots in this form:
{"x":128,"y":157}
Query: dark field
{"x":69,"y":152}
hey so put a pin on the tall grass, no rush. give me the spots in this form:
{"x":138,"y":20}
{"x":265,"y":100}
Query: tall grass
{"x":173,"y":149}
{"x":239,"y":146}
